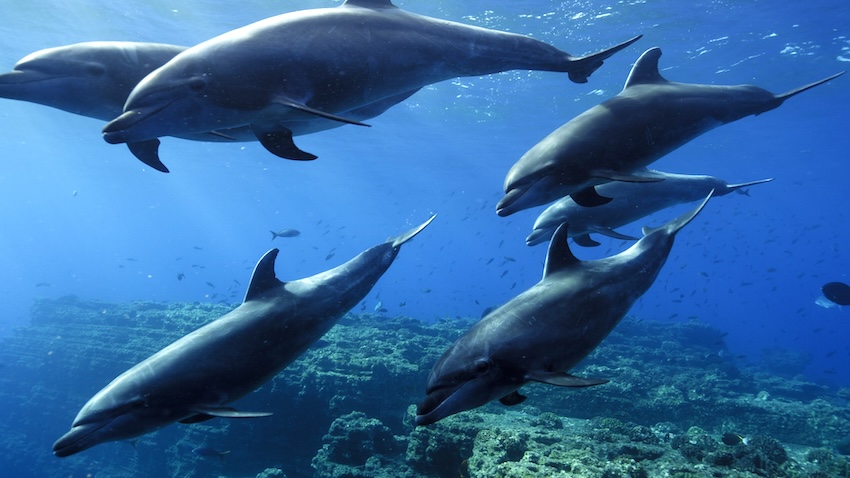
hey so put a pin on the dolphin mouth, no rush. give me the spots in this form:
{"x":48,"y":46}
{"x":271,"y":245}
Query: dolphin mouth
{"x":444,"y":402}
{"x":77,"y":439}
{"x":511,"y":202}
{"x":120,"y":130}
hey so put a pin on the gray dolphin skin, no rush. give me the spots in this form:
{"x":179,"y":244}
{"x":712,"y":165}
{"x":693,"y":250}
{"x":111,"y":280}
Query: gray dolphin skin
{"x":90,"y":79}
{"x":94,"y":79}
{"x":545,"y":331}
{"x":629,"y":202}
{"x":611,"y":141}
{"x":194,"y":378}
{"x":321,"y":63}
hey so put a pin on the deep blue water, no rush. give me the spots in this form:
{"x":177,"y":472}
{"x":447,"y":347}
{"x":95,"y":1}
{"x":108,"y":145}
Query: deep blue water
{"x":84,"y":217}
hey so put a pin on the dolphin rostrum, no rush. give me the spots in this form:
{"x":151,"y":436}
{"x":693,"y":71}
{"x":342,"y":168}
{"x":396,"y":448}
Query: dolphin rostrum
{"x":629,"y":202}
{"x":545,"y":331}
{"x":94,"y":79}
{"x":615,"y":139}
{"x":321,"y":63}
{"x":194,"y":378}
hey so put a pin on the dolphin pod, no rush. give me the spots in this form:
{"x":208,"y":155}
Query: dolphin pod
{"x":94,"y":79}
{"x":313,"y":70}
{"x":194,"y":378}
{"x":615,"y":139}
{"x":629,"y":202}
{"x":545,"y":331}
{"x":299,"y":71}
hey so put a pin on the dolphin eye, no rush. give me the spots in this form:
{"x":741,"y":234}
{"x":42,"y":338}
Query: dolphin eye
{"x":481,"y":365}
{"x":197,"y":84}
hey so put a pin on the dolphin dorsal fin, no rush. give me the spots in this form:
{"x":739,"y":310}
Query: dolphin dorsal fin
{"x":559,"y":256}
{"x":370,"y":3}
{"x":263,"y":279}
{"x":645,"y":70}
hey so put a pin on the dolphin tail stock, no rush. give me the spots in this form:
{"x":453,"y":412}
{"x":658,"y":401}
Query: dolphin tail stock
{"x":739,"y":188}
{"x":148,"y":153}
{"x":401,"y":239}
{"x":584,"y":66}
{"x":796,"y":91}
{"x":675,"y":225}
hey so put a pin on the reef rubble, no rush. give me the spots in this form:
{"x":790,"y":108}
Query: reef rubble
{"x":345,"y":408}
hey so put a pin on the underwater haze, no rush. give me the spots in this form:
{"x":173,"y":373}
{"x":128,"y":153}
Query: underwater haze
{"x":85,"y":218}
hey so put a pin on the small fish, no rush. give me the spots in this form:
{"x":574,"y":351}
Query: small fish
{"x":211,"y":284}
{"x":180,"y":276}
{"x":285,"y":233}
{"x":733,"y":439}
{"x":42,"y":284}
{"x":379,"y":306}
{"x":198,"y":248}
{"x":329,"y":256}
{"x":209,"y":452}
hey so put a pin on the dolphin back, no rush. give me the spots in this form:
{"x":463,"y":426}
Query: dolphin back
{"x":672,"y":227}
{"x":401,"y":239}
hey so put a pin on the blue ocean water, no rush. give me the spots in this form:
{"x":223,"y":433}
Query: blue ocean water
{"x":84,"y":217}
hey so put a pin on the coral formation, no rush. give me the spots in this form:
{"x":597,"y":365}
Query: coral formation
{"x":344,"y":409}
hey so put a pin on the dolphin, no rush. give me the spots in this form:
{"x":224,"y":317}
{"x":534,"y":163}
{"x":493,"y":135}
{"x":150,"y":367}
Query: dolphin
{"x":194,"y":378}
{"x":94,"y":79}
{"x":321,"y":62}
{"x":545,"y":331}
{"x":614,"y":140}
{"x":629,"y":202}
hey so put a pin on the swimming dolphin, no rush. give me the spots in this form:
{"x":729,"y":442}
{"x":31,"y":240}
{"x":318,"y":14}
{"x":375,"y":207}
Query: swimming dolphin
{"x":545,"y":331}
{"x":613,"y":140}
{"x":321,"y":63}
{"x":629,"y":202}
{"x":94,"y":79}
{"x":194,"y":378}
{"x":90,"y":79}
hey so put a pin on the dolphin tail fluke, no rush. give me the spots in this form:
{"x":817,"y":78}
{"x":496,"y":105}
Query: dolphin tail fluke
{"x":788,"y":94}
{"x":738,"y":188}
{"x":584,"y":66}
{"x":399,"y":240}
{"x":675,"y":225}
{"x":148,"y":153}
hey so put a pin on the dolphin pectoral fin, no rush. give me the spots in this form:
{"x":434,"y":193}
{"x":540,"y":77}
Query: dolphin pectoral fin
{"x":278,"y":141}
{"x":148,"y":153}
{"x":607,"y":231}
{"x":223,"y":412}
{"x":562,"y":379}
{"x":196,"y":418}
{"x":584,"y":240}
{"x":513,"y":398}
{"x":588,"y":197}
{"x":313,"y":111}
{"x":582,"y":67}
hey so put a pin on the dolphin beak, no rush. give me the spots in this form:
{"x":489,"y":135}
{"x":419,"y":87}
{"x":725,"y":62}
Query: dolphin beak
{"x":444,"y":402}
{"x":17,"y":77}
{"x":77,"y":440}
{"x":115,"y":131}
{"x":511,"y":202}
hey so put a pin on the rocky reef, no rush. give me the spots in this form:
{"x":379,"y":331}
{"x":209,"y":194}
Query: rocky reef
{"x":345,"y":408}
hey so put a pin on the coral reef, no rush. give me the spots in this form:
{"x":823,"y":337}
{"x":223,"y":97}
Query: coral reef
{"x":344,"y":409}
